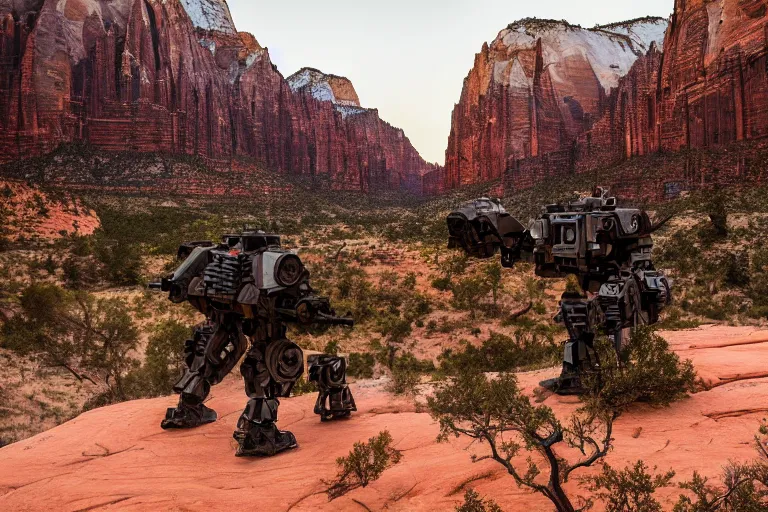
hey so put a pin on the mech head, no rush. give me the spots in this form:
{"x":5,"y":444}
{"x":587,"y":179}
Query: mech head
{"x":481,"y":226}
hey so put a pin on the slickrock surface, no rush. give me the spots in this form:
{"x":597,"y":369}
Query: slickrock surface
{"x":547,"y":99}
{"x":175,"y":76}
{"x":117,"y":458}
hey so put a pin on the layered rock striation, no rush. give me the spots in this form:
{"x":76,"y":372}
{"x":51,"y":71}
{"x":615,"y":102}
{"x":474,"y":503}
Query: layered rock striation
{"x":536,"y":88}
{"x":547,"y":98}
{"x":176,"y":76}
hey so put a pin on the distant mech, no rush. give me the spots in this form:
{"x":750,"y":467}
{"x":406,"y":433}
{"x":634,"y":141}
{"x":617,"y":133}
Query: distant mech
{"x":606,"y":247}
{"x":248,"y":288}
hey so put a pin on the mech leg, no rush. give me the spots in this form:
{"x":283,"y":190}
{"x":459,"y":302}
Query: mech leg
{"x":209,"y":356}
{"x":270,"y":370}
{"x":335,"y":398}
{"x":582,"y":317}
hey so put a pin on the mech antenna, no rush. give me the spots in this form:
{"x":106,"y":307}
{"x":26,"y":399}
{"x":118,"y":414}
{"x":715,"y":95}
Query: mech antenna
{"x":248,"y":288}
{"x":607,"y":247}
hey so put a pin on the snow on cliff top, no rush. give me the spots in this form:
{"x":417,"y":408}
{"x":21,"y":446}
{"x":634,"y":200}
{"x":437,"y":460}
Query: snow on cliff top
{"x":210,"y":15}
{"x":611,"y":50}
{"x":324,"y":87}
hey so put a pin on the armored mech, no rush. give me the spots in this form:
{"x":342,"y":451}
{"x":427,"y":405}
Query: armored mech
{"x":329,"y":373}
{"x":248,"y":288}
{"x":606,"y":247}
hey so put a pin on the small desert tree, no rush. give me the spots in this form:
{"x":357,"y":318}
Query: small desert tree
{"x":495,"y":411}
{"x":631,"y":489}
{"x":364,"y":464}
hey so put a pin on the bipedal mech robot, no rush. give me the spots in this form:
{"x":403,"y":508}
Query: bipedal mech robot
{"x":606,"y":247}
{"x":248,"y":288}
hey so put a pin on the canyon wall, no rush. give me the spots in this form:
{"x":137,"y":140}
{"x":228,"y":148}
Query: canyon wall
{"x":535,"y":89}
{"x":176,"y":76}
{"x":699,"y":91}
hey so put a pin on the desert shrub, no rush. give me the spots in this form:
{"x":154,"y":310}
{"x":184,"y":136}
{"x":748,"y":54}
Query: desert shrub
{"x":497,"y":412}
{"x":631,"y":489}
{"x":673,"y":321}
{"x":416,"y":306}
{"x":442,"y":283}
{"x":364,"y":464}
{"x":404,"y":381}
{"x":473,"y":502}
{"x":717,"y":209}
{"x":407,"y":371}
{"x":500,"y":353}
{"x":50,"y":265}
{"x":303,"y":387}
{"x":493,"y":276}
{"x":736,"y":269}
{"x":79,"y":273}
{"x":647,"y":372}
{"x":332,"y":347}
{"x":744,"y":489}
{"x":163,"y":361}
{"x":121,"y":262}
{"x":361,"y":365}
{"x":468,"y":291}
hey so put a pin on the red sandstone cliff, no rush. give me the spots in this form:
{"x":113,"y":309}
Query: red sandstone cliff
{"x":175,"y":76}
{"x":537,"y":87}
{"x":534,"y":109}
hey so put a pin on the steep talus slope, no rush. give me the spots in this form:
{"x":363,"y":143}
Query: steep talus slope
{"x":118,"y":457}
{"x":175,"y":76}
{"x":702,"y":90}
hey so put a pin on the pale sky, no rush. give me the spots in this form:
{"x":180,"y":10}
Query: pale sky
{"x":408,"y":58}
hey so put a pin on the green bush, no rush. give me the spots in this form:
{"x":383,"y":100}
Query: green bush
{"x":648,"y":372}
{"x":468,"y":292}
{"x":364,"y":464}
{"x":631,"y":489}
{"x":163,"y":361}
{"x":361,"y":365}
{"x":442,"y":283}
{"x":473,"y":502}
{"x":500,"y":353}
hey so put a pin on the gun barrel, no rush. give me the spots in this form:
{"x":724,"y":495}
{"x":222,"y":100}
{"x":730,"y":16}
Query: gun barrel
{"x":155,"y":286}
{"x":325,"y":318}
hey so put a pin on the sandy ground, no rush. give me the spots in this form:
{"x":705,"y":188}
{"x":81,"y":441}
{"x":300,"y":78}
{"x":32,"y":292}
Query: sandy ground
{"x":118,"y":458}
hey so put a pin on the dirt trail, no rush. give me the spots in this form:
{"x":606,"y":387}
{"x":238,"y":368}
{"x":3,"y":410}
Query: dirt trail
{"x":117,"y":458}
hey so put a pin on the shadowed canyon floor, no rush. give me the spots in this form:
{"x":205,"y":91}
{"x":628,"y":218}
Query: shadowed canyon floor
{"x":117,"y":458}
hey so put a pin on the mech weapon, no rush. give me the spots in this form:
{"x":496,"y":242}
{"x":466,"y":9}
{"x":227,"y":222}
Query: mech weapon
{"x":606,"y":247}
{"x":248,"y":288}
{"x":329,"y":373}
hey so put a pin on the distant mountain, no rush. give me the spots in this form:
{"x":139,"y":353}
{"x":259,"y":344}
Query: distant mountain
{"x":538,"y":86}
{"x":547,"y":98}
{"x":175,"y":76}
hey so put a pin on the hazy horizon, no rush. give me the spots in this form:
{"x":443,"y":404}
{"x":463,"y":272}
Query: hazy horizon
{"x":407,"y":58}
